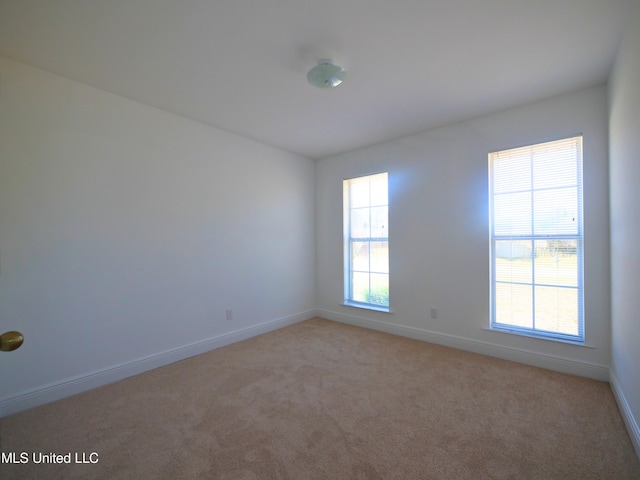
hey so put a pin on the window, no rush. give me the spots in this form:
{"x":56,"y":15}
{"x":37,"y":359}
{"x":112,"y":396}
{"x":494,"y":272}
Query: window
{"x":366,"y":242}
{"x":535,"y":202}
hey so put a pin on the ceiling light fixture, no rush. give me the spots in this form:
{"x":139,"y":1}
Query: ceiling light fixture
{"x":326,"y":75}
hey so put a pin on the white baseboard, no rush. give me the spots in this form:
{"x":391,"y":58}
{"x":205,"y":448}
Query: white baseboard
{"x":625,"y":411}
{"x":551,"y":362}
{"x":82,"y":383}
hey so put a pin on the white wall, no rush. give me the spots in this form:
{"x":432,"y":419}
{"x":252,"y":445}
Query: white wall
{"x":438,"y":227}
{"x":624,"y":129}
{"x":126,"y":232}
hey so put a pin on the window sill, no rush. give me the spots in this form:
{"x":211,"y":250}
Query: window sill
{"x":537,"y":337}
{"x":365,"y":306}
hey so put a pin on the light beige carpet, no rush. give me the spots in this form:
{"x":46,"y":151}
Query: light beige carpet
{"x":322,"y":400}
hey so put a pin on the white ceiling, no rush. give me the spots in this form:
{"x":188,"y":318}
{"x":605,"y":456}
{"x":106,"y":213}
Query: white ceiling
{"x":240,"y":65}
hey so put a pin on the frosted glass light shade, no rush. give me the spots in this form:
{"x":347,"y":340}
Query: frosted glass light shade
{"x":326,"y":75}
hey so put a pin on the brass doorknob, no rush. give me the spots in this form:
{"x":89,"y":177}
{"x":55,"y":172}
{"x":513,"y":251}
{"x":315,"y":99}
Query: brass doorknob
{"x":9,"y":341}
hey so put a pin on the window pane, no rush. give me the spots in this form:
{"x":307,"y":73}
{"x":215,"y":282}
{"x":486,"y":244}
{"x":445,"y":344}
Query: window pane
{"x":379,"y":294}
{"x":379,"y":193}
{"x":512,"y":214}
{"x":360,"y":256}
{"x":360,"y":287}
{"x":380,"y":257}
{"x":512,"y":171}
{"x":557,"y":309}
{"x":360,"y":227}
{"x":555,"y":168}
{"x":556,"y":211}
{"x":379,"y":222}
{"x":359,"y":193}
{"x":514,"y":305}
{"x":513,"y":262}
{"x":557,"y":262}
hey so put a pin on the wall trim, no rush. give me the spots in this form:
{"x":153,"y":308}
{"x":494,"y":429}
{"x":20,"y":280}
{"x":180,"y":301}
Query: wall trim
{"x":82,"y":383}
{"x":625,"y":411}
{"x":551,"y":362}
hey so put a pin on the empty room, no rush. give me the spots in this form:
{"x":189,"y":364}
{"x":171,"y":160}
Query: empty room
{"x":319,"y":240}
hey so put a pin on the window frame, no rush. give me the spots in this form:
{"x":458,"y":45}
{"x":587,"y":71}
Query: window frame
{"x":349,"y":239}
{"x":578,"y":237}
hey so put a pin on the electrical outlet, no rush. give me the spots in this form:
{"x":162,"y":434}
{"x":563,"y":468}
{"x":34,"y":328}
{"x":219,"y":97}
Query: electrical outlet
{"x":434,"y":313}
{"x":229,"y":314}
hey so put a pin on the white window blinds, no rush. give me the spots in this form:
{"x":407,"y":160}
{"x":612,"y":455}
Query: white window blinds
{"x":366,"y":242}
{"x":535,"y":197}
